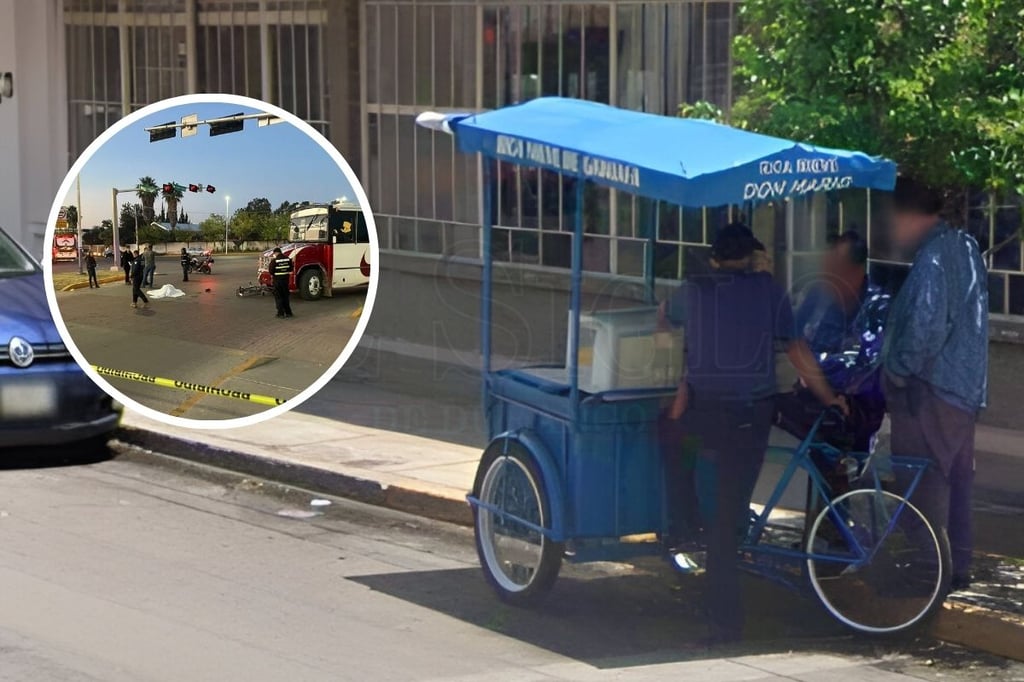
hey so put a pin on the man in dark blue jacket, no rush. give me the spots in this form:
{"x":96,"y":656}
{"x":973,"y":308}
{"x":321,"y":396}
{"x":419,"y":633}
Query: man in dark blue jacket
{"x":935,"y":362}
{"x":734,"y":318}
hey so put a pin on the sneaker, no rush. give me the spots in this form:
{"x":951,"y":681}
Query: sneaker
{"x":280,"y":315}
{"x":134,"y":305}
{"x":288,"y":315}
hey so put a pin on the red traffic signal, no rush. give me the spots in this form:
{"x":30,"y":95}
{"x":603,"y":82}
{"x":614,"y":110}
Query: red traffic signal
{"x":168,"y":188}
{"x":211,"y":189}
{"x":193,"y":188}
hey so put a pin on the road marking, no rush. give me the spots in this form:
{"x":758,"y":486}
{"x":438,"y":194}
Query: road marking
{"x":356,"y":313}
{"x":200,"y":390}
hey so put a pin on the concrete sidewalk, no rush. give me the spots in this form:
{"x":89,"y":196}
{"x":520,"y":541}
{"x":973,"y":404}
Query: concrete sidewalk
{"x":402,"y":471}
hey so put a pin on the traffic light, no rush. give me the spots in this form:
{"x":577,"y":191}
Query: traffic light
{"x":193,"y":188}
{"x":167,"y":188}
{"x":163,"y":133}
{"x":225,"y":127}
{"x":211,"y":189}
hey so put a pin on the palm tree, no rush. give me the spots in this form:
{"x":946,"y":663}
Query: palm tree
{"x":147,"y":190}
{"x":171,"y":201}
{"x":71,"y":215}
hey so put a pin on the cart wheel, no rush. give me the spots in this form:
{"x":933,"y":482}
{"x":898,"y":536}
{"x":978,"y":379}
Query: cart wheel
{"x":876,"y":563}
{"x":520,"y":563}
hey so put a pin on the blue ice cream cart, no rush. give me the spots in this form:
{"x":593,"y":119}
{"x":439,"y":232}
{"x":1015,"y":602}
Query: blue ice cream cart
{"x":573,"y":471}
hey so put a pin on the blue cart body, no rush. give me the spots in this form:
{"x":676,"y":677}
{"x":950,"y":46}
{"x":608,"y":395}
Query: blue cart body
{"x":605,"y":466}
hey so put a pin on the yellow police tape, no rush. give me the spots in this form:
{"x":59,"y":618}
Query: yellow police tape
{"x":188,"y":386}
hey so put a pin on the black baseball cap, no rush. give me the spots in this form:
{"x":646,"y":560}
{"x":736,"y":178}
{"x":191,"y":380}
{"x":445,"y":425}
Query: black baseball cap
{"x":735,"y":241}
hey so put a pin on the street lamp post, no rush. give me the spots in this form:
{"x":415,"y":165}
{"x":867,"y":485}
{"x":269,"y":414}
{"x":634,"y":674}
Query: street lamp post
{"x":227,"y":221}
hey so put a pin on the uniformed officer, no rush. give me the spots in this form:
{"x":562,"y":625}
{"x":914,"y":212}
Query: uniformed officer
{"x":184,"y":265}
{"x":281,"y":269}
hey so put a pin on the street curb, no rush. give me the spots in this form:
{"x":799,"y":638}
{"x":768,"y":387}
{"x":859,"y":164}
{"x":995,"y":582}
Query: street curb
{"x":109,"y":279}
{"x":973,"y":627}
{"x":399,"y":498}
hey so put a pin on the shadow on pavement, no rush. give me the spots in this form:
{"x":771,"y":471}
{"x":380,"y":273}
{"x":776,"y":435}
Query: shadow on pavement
{"x":74,"y":454}
{"x":404,"y":394}
{"x":622,"y":621}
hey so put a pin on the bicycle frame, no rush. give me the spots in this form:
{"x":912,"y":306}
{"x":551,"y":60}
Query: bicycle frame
{"x":801,"y":460}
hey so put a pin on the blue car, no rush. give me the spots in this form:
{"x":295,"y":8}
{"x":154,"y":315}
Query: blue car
{"x":45,"y":397}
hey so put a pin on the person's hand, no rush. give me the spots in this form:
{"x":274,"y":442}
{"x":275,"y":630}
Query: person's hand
{"x":840,"y":403}
{"x":681,"y":402}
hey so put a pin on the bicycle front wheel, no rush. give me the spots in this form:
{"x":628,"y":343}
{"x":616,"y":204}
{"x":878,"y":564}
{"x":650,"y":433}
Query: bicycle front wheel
{"x":876,"y":563}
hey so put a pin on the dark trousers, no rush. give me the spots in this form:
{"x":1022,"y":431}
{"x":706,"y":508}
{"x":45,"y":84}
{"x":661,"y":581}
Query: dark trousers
{"x":729,"y":441}
{"x":93,"y":282}
{"x":127,"y":274}
{"x":184,"y":272}
{"x":137,"y":292}
{"x":149,"y":274}
{"x":282,"y":296}
{"x":925,"y":425}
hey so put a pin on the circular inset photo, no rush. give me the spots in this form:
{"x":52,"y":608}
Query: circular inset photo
{"x":213,"y":261}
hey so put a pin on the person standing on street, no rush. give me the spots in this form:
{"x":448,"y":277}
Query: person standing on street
{"x":126,"y":264}
{"x":734,"y":317}
{"x":90,"y":266}
{"x":935,"y":362}
{"x":138,"y":273}
{"x":184,"y":265}
{"x":150,"y":259}
{"x":281,"y":268}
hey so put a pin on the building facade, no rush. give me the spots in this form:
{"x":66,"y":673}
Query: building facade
{"x":360,"y":71}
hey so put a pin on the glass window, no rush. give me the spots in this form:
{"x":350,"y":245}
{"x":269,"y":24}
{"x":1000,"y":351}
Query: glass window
{"x":463,"y":55}
{"x":465,"y":186}
{"x":390,"y":165}
{"x":1015,"y":304}
{"x":431,"y":44}
{"x":388,"y":51}
{"x":405,"y":44}
{"x":406,"y":188}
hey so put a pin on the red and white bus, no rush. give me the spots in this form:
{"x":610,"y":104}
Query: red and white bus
{"x":329,"y":247}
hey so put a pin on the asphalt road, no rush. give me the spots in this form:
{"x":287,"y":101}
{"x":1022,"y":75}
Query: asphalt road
{"x":143,"y":568}
{"x":211,"y":337}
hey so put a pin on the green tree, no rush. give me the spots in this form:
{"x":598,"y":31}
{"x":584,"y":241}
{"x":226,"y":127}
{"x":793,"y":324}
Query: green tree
{"x":131,"y":215}
{"x":105,"y":232}
{"x":936,"y":85}
{"x":212,"y":228}
{"x":171,"y":198}
{"x":71,"y":215}
{"x":260,"y":206}
{"x":147,"y":191}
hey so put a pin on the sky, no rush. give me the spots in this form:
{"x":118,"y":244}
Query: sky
{"x":279,"y":162}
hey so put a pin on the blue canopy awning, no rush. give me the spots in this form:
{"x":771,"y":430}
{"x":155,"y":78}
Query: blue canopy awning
{"x":682,"y":161}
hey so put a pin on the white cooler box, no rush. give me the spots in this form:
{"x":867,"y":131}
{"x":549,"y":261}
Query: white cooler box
{"x":624,"y":349}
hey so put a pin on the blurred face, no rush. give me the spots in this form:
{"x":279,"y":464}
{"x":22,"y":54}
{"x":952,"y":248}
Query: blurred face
{"x":908,"y":228}
{"x":837,"y":262}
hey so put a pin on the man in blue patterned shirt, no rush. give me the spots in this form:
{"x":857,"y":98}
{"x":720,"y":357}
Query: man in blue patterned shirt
{"x":936,"y":362}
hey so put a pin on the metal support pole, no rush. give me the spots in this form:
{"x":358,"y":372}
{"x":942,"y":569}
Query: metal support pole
{"x":78,"y":222}
{"x":486,"y":288}
{"x":116,"y":244}
{"x":227,"y":221}
{"x":575,"y":304}
{"x":652,"y":242}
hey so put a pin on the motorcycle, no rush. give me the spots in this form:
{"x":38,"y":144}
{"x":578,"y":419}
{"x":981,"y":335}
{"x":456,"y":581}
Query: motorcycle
{"x":201,"y":264}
